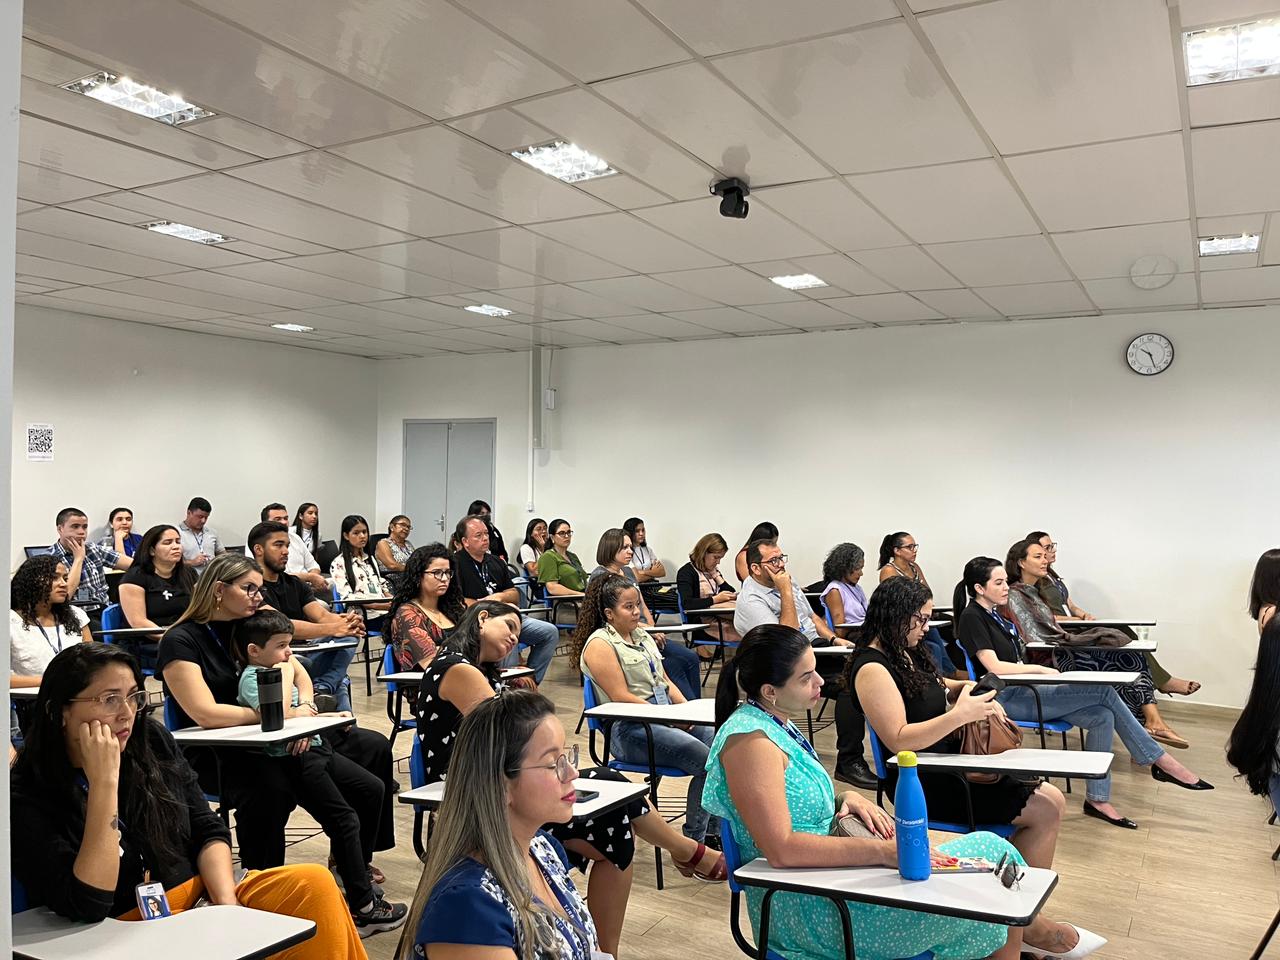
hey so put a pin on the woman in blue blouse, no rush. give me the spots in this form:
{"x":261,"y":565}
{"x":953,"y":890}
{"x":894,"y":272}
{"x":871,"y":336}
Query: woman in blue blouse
{"x":120,"y":536}
{"x":489,"y":893}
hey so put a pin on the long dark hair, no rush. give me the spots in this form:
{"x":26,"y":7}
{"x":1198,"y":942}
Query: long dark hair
{"x":349,"y":523}
{"x":764,"y":530}
{"x":31,"y":586}
{"x":976,"y":574}
{"x":603,"y":593}
{"x":1013,"y":559}
{"x":528,"y":535}
{"x":298,"y":527}
{"x":1035,"y":536}
{"x":1264,"y":589}
{"x":889,"y":544}
{"x":143,"y":559}
{"x":1252,"y":746}
{"x":151,"y":802}
{"x":410,"y":582}
{"x":768,"y":654}
{"x":889,"y":620}
{"x":465,"y":639}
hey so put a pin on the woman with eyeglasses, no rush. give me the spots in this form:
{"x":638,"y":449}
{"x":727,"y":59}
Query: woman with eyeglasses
{"x":102,"y":797}
{"x":906,"y":704}
{"x":393,"y":550}
{"x":42,"y":623}
{"x":898,"y":552}
{"x":534,"y":546}
{"x":425,"y":609}
{"x":559,"y":569}
{"x":495,"y":885}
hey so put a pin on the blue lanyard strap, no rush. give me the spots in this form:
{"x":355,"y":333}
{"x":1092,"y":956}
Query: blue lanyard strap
{"x":1009,"y":627}
{"x":790,"y":729}
{"x":57,"y":632}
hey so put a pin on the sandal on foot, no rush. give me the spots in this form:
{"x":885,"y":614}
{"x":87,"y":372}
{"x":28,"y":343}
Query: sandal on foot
{"x":1167,"y":737}
{"x":1192,"y":687}
{"x":688,"y":868}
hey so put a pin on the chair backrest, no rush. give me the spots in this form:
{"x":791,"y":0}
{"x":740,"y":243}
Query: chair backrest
{"x":18,"y":895}
{"x":417,"y":767}
{"x":325,"y":554}
{"x":335,"y":602}
{"x":732,"y":855}
{"x":826,"y":612}
{"x":170,"y":718}
{"x":968,"y":662}
{"x":877,"y":753}
{"x":112,"y":619}
{"x":589,"y":700}
{"x":374,"y":540}
{"x":389,"y":666}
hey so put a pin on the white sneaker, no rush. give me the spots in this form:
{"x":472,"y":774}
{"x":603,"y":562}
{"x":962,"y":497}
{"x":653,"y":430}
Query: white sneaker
{"x":1088,"y":943}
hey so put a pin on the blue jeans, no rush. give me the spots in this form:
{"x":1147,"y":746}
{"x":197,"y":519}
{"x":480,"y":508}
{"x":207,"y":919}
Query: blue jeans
{"x":938,"y":650}
{"x":328,"y":670}
{"x":1096,"y":709}
{"x":541,"y":638}
{"x":686,"y":751}
{"x":682,"y":666}
{"x":1275,"y":792}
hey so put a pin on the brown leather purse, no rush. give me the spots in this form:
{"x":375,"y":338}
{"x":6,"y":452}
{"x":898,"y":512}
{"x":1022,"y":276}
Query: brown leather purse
{"x":988,"y":736}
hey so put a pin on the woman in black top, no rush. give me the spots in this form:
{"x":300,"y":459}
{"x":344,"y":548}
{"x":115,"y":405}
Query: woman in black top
{"x":905,"y":702}
{"x":155,"y":591}
{"x":101,"y":795}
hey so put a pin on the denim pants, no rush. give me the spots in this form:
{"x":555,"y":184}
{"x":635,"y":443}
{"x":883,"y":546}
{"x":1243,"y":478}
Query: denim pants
{"x":1275,"y":792}
{"x":685,"y":750}
{"x":937,"y":648}
{"x":682,"y":666}
{"x":541,"y":638}
{"x":1095,"y":708}
{"x":328,"y":670}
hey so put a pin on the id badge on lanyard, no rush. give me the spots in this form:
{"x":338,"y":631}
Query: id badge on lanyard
{"x":660,"y":695}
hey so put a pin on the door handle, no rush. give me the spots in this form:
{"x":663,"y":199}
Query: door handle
{"x":441,"y":522}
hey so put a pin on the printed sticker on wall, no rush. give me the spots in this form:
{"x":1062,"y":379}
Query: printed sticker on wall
{"x":40,"y":441}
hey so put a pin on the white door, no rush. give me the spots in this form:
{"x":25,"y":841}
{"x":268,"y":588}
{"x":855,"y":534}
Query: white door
{"x":447,"y":464}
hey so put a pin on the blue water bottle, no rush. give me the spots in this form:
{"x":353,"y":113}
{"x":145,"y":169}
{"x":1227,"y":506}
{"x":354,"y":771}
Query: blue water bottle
{"x":911,"y":820}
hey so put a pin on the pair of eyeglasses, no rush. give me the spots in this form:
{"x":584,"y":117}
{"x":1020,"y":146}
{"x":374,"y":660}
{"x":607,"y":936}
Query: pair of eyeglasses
{"x":402,"y":523}
{"x":776,"y":562}
{"x":920,"y":620}
{"x":1051,"y":546}
{"x":564,"y":533}
{"x":566,"y":765}
{"x":1007,"y":871}
{"x":441,"y":575}
{"x":250,"y":590}
{"x":111,"y":703}
{"x":910,"y":546}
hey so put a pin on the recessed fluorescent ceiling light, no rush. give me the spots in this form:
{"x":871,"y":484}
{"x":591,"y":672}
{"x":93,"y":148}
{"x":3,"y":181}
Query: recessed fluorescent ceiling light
{"x":564,"y":161}
{"x":1234,"y":52}
{"x":137,"y":98}
{"x":292,"y":327}
{"x":183,"y":232}
{"x":799,"y":281}
{"x":489,"y":310}
{"x":1216,"y":246}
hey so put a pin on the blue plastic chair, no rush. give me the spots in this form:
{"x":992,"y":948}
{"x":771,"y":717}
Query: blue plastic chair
{"x":417,"y":778}
{"x":543,"y":596}
{"x":719,"y":643}
{"x":171,"y":724}
{"x":877,"y":756}
{"x":395,"y":698}
{"x":113,"y":619}
{"x":18,"y":895}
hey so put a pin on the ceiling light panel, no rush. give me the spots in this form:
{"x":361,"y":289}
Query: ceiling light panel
{"x":1234,"y":52}
{"x":488,"y":309}
{"x":137,"y":98}
{"x":184,"y":232}
{"x":1240,"y":243}
{"x":564,"y":161}
{"x":293,"y":327}
{"x":799,"y":281}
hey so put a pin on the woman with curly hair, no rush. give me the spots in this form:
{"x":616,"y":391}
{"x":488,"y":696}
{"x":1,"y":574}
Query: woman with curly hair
{"x":845,"y":600}
{"x":426,"y":607}
{"x":41,"y":621}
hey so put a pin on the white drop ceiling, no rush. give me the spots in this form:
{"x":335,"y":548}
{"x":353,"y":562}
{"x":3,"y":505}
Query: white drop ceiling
{"x":934,"y":160}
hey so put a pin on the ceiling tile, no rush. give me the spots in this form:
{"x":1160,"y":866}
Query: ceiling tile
{"x":569,"y":300}
{"x":958,"y":304}
{"x":90,"y":157}
{"x":957,"y":201}
{"x":808,"y":88}
{"x":1206,"y":13}
{"x":129,"y":238}
{"x":907,"y":268}
{"x":303,"y":281}
{"x":832,"y":212}
{"x":1228,"y":261}
{"x":592,"y":39}
{"x":26,"y":206}
{"x":1239,"y":286}
{"x":1235,"y":170}
{"x":527,"y":307}
{"x":596,"y":125}
{"x":128,"y":301}
{"x":885,"y":308}
{"x":381,"y":276}
{"x":456,"y":266}
{"x":762,"y":236}
{"x":703,"y":114}
{"x":841,"y":273}
{"x":1121,"y":294}
{"x":172,"y":293}
{"x":503,"y":129}
{"x":1096,"y":254}
{"x":717,"y":26}
{"x":624,"y":192}
{"x":994,"y":262}
{"x":1036,"y":299}
{"x":339,"y":184}
{"x":1215,"y":104}
{"x":644,"y":293}
{"x":254,"y":250}
{"x":21,"y":286}
{"x":225,"y":68}
{"x":44,"y":185}
{"x":414,"y":312}
{"x":88,"y":255}
{"x":658,"y":325}
{"x":249,"y":203}
{"x":731,"y":285}
{"x":49,"y":66}
{"x":470,"y":173}
{"x":1271,"y":241}
{"x":245,"y":136}
{"x":599,"y":330}
{"x":535,"y":255}
{"x":1239,"y":223}
{"x":804,"y":314}
{"x":92,"y":116}
{"x":1041,"y":74}
{"x":248,"y":289}
{"x":69,"y":274}
{"x":1106,"y":184}
{"x":729,"y":320}
{"x":375,"y":316}
{"x":630,"y":242}
{"x":129,"y":314}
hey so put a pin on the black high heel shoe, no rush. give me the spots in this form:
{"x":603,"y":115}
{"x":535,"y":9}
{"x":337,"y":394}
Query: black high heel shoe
{"x":1158,"y":774}
{"x":1091,"y":811}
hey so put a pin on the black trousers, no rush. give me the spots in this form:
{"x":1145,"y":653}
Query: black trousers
{"x":371,"y":751}
{"x":851,"y":725}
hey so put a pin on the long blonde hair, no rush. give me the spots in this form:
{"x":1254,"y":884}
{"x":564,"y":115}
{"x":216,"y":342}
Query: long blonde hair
{"x":224,"y":568}
{"x":487,"y":755}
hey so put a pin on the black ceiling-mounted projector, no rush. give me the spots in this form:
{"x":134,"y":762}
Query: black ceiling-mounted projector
{"x":733,"y":198}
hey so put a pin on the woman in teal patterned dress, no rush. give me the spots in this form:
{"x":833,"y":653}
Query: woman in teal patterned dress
{"x":759,"y":758}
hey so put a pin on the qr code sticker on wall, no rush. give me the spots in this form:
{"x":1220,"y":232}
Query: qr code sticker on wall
{"x":40,"y":441}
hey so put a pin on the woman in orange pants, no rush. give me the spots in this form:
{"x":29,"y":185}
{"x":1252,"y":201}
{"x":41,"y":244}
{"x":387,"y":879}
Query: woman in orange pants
{"x":102,"y":801}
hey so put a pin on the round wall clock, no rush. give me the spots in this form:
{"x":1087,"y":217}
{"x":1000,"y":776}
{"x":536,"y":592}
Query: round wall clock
{"x":1149,"y":354}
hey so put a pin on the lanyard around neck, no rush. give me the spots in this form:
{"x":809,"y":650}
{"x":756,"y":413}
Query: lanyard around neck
{"x":57,"y":632}
{"x":790,"y":729}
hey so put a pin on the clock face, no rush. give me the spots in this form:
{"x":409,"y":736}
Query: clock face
{"x":1149,"y":354}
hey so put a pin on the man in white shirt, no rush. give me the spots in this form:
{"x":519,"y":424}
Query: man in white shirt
{"x":301,"y":563}
{"x":200,"y":542}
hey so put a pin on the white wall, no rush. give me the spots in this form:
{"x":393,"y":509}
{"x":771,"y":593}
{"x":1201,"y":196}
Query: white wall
{"x":240,"y":423}
{"x":1159,"y":490}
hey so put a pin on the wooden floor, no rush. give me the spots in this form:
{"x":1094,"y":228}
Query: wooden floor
{"x":1195,"y":881}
